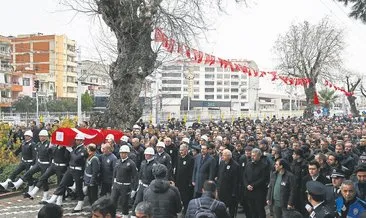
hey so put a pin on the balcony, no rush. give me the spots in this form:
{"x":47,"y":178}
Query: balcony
{"x":71,"y":64}
{"x":16,"y":88}
{"x":4,"y":86}
{"x":6,"y":102}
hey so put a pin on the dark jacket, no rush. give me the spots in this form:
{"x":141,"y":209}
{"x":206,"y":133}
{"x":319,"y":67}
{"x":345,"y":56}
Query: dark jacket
{"x":206,"y":201}
{"x":184,"y":173}
{"x":202,"y":171}
{"x":164,"y":198}
{"x":287,"y":190}
{"x":255,"y":174}
{"x":228,"y":181}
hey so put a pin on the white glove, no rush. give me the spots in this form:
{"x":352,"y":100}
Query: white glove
{"x":133,"y":193}
{"x":69,"y":149}
{"x":85,"y":190}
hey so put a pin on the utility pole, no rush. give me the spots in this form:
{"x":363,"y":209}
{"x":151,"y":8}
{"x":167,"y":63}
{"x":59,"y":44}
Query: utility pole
{"x":78,"y":77}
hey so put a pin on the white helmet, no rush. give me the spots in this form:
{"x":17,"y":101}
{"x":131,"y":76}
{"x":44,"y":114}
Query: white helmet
{"x":161,"y":144}
{"x":124,"y":138}
{"x":80,"y":136}
{"x":204,"y":137}
{"x":43,"y":132}
{"x":124,"y":148}
{"x":136,"y":126}
{"x":185,"y":140}
{"x":110,"y":137}
{"x":149,"y":150}
{"x":28,"y":133}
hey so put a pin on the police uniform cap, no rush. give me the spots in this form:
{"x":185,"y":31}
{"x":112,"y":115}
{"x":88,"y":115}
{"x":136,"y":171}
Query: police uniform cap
{"x":315,"y":188}
{"x":28,"y":133}
{"x":124,"y":148}
{"x":185,"y":140}
{"x":161,"y":144}
{"x":149,"y":150}
{"x":43,"y":132}
{"x":337,"y":173}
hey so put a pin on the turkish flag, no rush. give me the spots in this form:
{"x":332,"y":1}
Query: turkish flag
{"x":316,"y":99}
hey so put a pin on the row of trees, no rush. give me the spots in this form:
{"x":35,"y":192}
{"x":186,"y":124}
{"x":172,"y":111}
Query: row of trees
{"x":28,"y":104}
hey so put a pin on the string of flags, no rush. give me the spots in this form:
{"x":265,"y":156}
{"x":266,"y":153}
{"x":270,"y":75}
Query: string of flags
{"x":200,"y":57}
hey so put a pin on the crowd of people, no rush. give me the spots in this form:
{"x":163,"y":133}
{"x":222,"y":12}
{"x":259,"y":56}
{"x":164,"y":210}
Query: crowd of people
{"x":294,"y":167}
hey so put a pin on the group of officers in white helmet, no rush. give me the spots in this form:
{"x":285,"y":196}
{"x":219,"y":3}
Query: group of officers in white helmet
{"x":80,"y":168}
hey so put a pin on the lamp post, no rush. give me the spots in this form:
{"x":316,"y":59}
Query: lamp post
{"x":78,"y":77}
{"x":189,"y":76}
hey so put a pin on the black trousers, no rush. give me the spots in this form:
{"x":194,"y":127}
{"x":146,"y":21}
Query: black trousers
{"x":52,"y":170}
{"x":20,"y":168}
{"x":92,"y":193}
{"x":105,"y":188}
{"x":68,"y":179}
{"x":139,"y":197}
{"x":256,"y":206}
{"x":186,"y":194}
{"x":119,"y":190}
{"x":277,"y":212}
{"x":38,"y":167}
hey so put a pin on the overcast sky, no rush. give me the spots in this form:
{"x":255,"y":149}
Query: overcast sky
{"x":242,"y":33}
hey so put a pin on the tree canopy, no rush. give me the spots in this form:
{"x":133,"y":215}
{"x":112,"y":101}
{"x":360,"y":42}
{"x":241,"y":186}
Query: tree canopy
{"x":358,"y":9}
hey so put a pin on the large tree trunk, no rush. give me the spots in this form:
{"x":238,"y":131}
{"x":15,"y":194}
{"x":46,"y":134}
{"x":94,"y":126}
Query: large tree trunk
{"x":309,"y":92}
{"x":352,"y":102}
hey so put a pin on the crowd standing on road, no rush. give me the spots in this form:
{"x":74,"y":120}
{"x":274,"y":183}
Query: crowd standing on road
{"x":297,"y":167}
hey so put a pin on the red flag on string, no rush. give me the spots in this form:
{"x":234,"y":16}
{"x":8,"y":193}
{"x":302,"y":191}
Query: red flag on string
{"x":316,"y":99}
{"x":170,"y":47}
{"x":188,"y":52}
{"x":159,"y":35}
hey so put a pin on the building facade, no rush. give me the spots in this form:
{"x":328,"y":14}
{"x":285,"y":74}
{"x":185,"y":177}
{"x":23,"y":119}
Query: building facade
{"x":52,"y":61}
{"x":95,"y":77}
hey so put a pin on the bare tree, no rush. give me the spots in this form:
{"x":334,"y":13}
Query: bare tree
{"x":358,"y":9}
{"x":132,"y":22}
{"x":310,"y":51}
{"x":352,"y":82}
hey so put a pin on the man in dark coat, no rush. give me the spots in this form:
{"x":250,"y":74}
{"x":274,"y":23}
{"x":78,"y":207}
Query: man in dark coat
{"x":184,"y":175}
{"x":202,"y":170}
{"x":164,"y":198}
{"x":207,"y":200}
{"x":228,"y":181}
{"x":282,"y":189}
{"x":254,"y":180}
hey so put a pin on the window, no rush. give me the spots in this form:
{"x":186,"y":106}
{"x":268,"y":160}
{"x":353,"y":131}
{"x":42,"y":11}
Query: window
{"x":70,"y":79}
{"x":219,"y":76}
{"x":226,"y":90}
{"x":227,"y":76}
{"x":171,"y":75}
{"x":196,"y":82}
{"x":244,"y":83}
{"x":209,"y":96}
{"x":226,"y":96}
{"x":243,"y":90}
{"x":219,"y":69}
{"x":243,"y":76}
{"x":234,"y":76}
{"x":171,"y":95}
{"x":174,"y":82}
{"x":219,"y":90}
{"x":209,"y":89}
{"x":209,"y":69}
{"x":172,"y":67}
{"x":197,"y":75}
{"x":196,"y":89}
{"x":226,"y":83}
{"x":219,"y":83}
{"x":244,"y":97}
{"x":219,"y":96}
{"x":234,"y":90}
{"x":171,"y":89}
{"x":234,"y":97}
{"x":26,"y":81}
{"x":196,"y":96}
{"x":234,"y":83}
{"x":71,"y":90}
{"x":209,"y":83}
{"x":185,"y":89}
{"x":209,"y":76}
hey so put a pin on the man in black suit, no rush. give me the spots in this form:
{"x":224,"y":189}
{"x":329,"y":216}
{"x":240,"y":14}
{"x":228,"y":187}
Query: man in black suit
{"x":228,"y":181}
{"x":183,"y":175}
{"x":202,"y":170}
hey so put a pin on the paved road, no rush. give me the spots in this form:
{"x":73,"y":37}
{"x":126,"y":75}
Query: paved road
{"x":19,"y":207}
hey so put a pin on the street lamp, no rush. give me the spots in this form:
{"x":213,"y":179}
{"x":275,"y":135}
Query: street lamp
{"x":190,"y":77}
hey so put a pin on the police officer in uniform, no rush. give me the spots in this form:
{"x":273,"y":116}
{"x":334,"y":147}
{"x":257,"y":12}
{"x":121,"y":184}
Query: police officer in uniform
{"x":108,"y":162}
{"x":125,"y":180}
{"x":316,"y":197}
{"x":164,"y":158}
{"x":145,"y":175}
{"x":75,"y":173}
{"x":60,"y":161}
{"x":349,"y":205}
{"x":172,"y":150}
{"x":29,"y":154}
{"x":333,"y":190}
{"x":92,"y":173}
{"x":44,"y":158}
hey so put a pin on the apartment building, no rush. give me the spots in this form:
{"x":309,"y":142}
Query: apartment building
{"x":95,"y":77}
{"x":207,"y":87}
{"x":52,"y":61}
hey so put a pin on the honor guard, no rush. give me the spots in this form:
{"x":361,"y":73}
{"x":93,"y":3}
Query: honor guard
{"x":92,"y":173}
{"x":60,"y":161}
{"x":42,"y":163}
{"x":75,"y":172}
{"x":145,"y":175}
{"x":164,"y":158}
{"x":125,"y":180}
{"x":108,"y":162}
{"x":29,"y":155}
